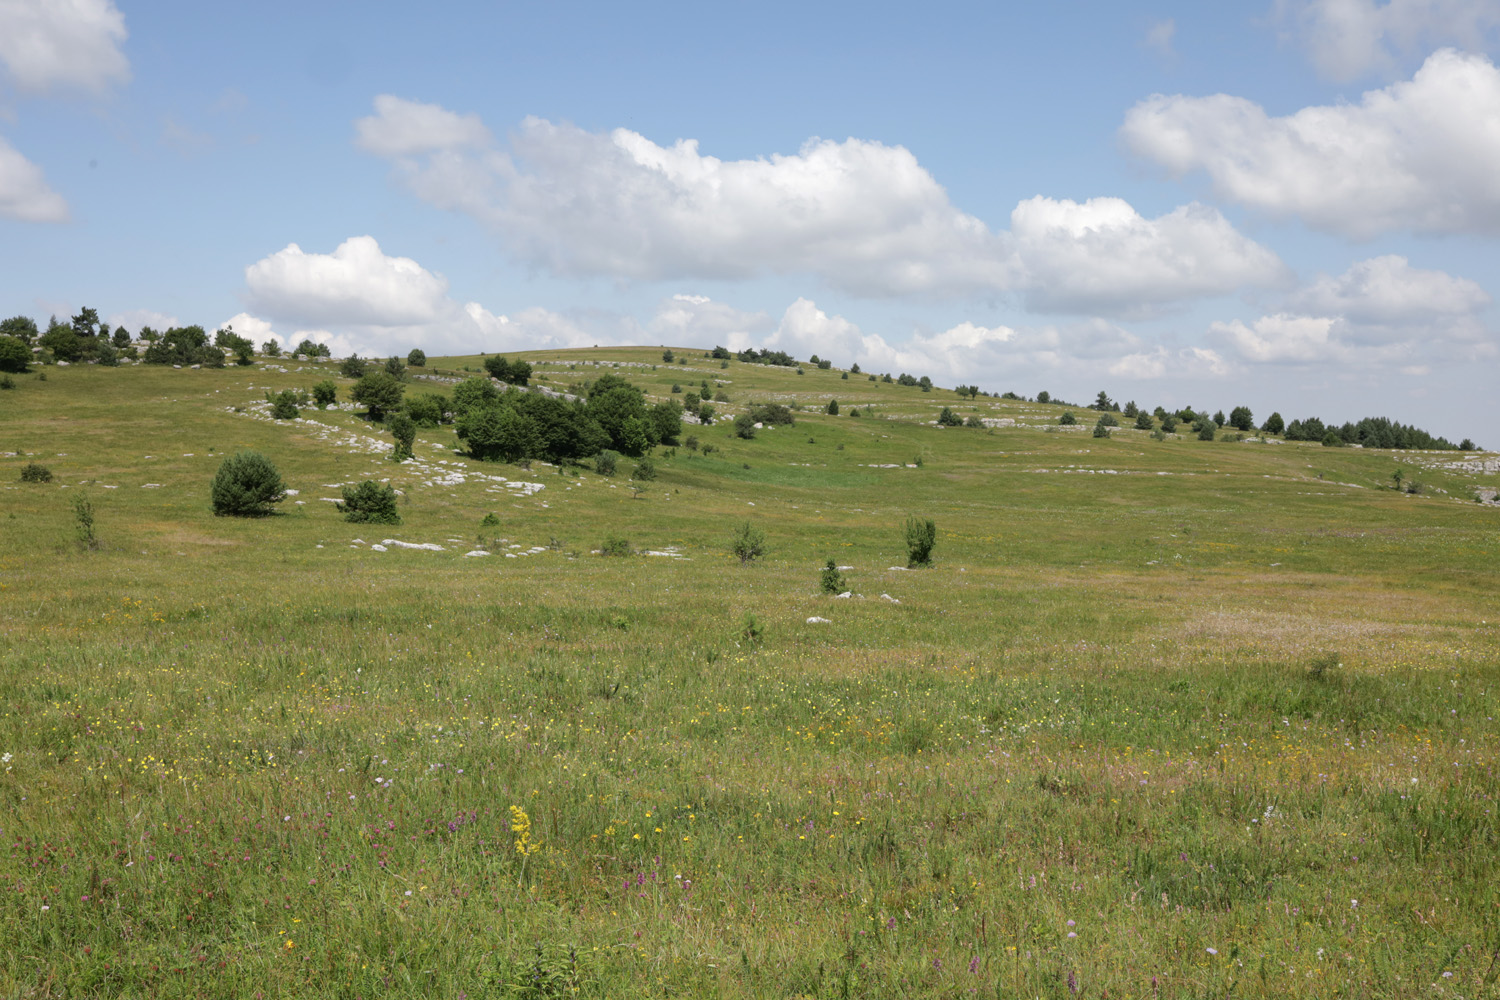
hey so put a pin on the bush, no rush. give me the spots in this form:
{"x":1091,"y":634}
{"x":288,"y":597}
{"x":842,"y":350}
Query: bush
{"x":1067,"y":419}
{"x":921,"y":537}
{"x":1109,"y":420}
{"x":691,"y":444}
{"x":645,"y":471}
{"x":1169,"y":424}
{"x":428,"y":410}
{"x":370,"y":503}
{"x":606,"y":462}
{"x":974,"y":421}
{"x":325,"y":393}
{"x":6,"y":382}
{"x":949,"y":419}
{"x":744,"y":426}
{"x":831,"y":580}
{"x":668,"y":356}
{"x":1144,"y":421}
{"x":748,"y":543}
{"x":83,"y":520}
{"x":1101,"y":430}
{"x":772,"y":414}
{"x":247,"y":485}
{"x":33,"y":472}
{"x":614,"y":545}
{"x":751,"y":630}
{"x":489,"y":521}
{"x":14,"y":355}
{"x":396,"y":368}
{"x":833,"y":408}
{"x":284,"y":405}
{"x":404,"y":430}
{"x":352,"y":367}
{"x":379,"y":391}
{"x":417,"y":358}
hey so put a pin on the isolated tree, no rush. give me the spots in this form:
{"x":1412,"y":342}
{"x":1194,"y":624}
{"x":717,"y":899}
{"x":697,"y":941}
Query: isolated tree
{"x":1103,"y":402}
{"x":370,"y":503}
{"x":1219,"y":420}
{"x":831,"y":581}
{"x":1131,"y":410}
{"x":1044,"y":397}
{"x":1067,"y":419}
{"x":748,"y":543}
{"x":417,"y":358}
{"x":1274,"y":424}
{"x":284,"y":405}
{"x":1169,"y":423}
{"x":668,"y":356}
{"x":948,"y":418}
{"x":404,"y":430}
{"x":832,"y":409}
{"x":744,"y":426}
{"x":379,"y":391}
{"x":353,"y":366}
{"x":324,"y":393}
{"x":14,"y":355}
{"x":247,"y":485}
{"x":271,"y":349}
{"x":1241,"y":419}
{"x":921,"y":537}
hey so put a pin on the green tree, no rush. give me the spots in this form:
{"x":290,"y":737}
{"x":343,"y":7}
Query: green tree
{"x":325,"y":393}
{"x":396,"y":368}
{"x":404,"y":430}
{"x":1241,"y":419}
{"x":832,"y":409}
{"x":370,"y":503}
{"x":246,"y":485}
{"x":1144,"y":421}
{"x":948,"y":418}
{"x":668,"y":356}
{"x":14,"y":355}
{"x":1274,"y":424}
{"x":831,"y":581}
{"x":417,"y":358}
{"x":353,"y":366}
{"x":380,"y":393}
{"x":748,"y":543}
{"x":474,"y":393}
{"x":23,"y":328}
{"x":1067,"y":419}
{"x":284,"y":405}
{"x":744,"y":426}
{"x":271,"y":349}
{"x":921,"y":538}
{"x":121,"y":338}
{"x":1103,"y":402}
{"x":62,"y":341}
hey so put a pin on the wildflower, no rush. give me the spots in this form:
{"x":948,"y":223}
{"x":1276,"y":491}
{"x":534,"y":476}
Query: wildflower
{"x":520,"y":825}
{"x":289,"y":945}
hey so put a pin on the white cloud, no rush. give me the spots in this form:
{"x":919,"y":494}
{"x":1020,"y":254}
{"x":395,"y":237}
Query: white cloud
{"x":697,"y":320}
{"x":1159,"y":36}
{"x":403,"y":128}
{"x":63,"y":44}
{"x":1347,"y":39}
{"x":133,"y":319}
{"x":359,"y":299}
{"x":24,"y":192}
{"x":1161,"y":362}
{"x":1381,"y":311}
{"x":1101,"y":256}
{"x":255,"y":329}
{"x":1417,"y":155}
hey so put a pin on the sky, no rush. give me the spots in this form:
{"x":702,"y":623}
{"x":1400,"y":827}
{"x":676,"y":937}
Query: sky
{"x":1287,"y":204}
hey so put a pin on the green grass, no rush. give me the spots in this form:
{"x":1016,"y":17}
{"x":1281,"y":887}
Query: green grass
{"x":1186,"y":695}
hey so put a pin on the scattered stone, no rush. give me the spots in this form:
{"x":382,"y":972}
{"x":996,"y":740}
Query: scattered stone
{"x":377,"y":548}
{"x":815,"y":620}
{"x":427,"y":546}
{"x":476,"y":553}
{"x":845,"y":595}
{"x":888,"y":597}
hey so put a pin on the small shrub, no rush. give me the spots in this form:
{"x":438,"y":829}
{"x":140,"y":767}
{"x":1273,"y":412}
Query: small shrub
{"x":353,"y":367}
{"x":833,"y":408}
{"x":246,"y":485}
{"x":1067,"y":419}
{"x":948,"y":418}
{"x":1101,"y":430}
{"x":284,"y":405}
{"x":325,"y":393}
{"x":614,"y":545}
{"x":676,"y":387}
{"x":1318,"y":669}
{"x":691,"y":443}
{"x":751,"y":630}
{"x":83,"y":520}
{"x":974,"y":421}
{"x":489,"y":521}
{"x":1169,"y":424}
{"x":370,"y":503}
{"x":921,"y":537}
{"x":709,"y":449}
{"x":831,"y":580}
{"x":645,"y":471}
{"x":748,"y":543}
{"x":668,"y":356}
{"x":6,"y":382}
{"x":404,"y":430}
{"x":606,"y":462}
{"x":744,"y":427}
{"x":33,"y":472}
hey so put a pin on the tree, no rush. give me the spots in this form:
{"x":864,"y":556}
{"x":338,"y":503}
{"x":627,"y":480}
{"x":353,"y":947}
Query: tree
{"x":23,"y":328}
{"x":949,"y":419}
{"x":1101,"y":429}
{"x":1044,"y":397}
{"x":62,"y":341}
{"x":1144,"y":421}
{"x":396,"y":368}
{"x":1274,"y":424}
{"x":1103,"y":402}
{"x":666,"y":423}
{"x":121,"y":338}
{"x":1169,"y":423}
{"x":831,"y":580}
{"x":404,"y":430}
{"x":748,"y":543}
{"x":417,"y":358}
{"x":744,"y":427}
{"x":1067,"y":419}
{"x":247,"y":485}
{"x":370,"y":503}
{"x":324,"y":393}
{"x":1219,"y":420}
{"x":352,"y":367}
{"x":668,"y":356}
{"x":379,"y":392}
{"x":1241,"y":419}
{"x":473,"y":393}
{"x":514,"y":372}
{"x":1131,"y":410}
{"x":308,"y":349}
{"x":921,"y":537}
{"x":271,"y":349}
{"x":832,"y":409}
{"x":14,"y":355}
{"x":1206,"y":427}
{"x":498,"y":433}
{"x":86,"y":323}
{"x":284,"y":405}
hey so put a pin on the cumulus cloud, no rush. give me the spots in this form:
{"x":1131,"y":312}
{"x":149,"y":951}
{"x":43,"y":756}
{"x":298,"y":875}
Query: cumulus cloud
{"x":697,"y":320}
{"x":254,"y":329}
{"x":1101,"y":256}
{"x":1347,"y":39}
{"x":1416,"y":155}
{"x":1162,"y":362}
{"x":864,"y":217}
{"x":403,"y":128}
{"x":63,"y":44}
{"x":1380,"y":311}
{"x":24,"y":192}
{"x":359,"y":299}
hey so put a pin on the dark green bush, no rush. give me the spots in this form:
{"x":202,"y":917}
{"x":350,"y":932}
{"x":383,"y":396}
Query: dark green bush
{"x":14,"y":355}
{"x":325,"y":393}
{"x":606,"y":462}
{"x":748,"y":543}
{"x":921,"y":538}
{"x":1067,"y":419}
{"x":246,"y":485}
{"x":645,"y":471}
{"x":370,"y":502}
{"x":404,"y":430}
{"x":744,"y":426}
{"x":417,"y":358}
{"x":284,"y":405}
{"x":614,"y":545}
{"x":831,"y":580}
{"x":33,"y":472}
{"x":948,"y":418}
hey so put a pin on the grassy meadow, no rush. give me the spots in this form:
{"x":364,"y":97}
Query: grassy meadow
{"x":1169,"y":719}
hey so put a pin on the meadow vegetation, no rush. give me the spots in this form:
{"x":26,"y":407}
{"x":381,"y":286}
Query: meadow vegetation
{"x":1156,"y":716}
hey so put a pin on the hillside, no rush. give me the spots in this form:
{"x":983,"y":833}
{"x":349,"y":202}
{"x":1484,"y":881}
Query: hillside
{"x":1157,"y":715}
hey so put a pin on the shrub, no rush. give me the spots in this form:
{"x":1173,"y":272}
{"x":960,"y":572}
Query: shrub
{"x":6,"y":382}
{"x":949,"y":419}
{"x":33,"y":472}
{"x":606,"y":462}
{"x":1101,"y":430}
{"x":921,"y":537}
{"x":1144,"y":421}
{"x":1109,"y":420}
{"x":14,"y":355}
{"x":246,"y":485}
{"x":832,"y":409}
{"x":351,"y":367}
{"x":709,"y":449}
{"x":1067,"y":419}
{"x":404,"y":430}
{"x":974,"y":421}
{"x":645,"y":471}
{"x":751,"y":630}
{"x":1332,"y":439}
{"x":691,"y":444}
{"x":614,"y":545}
{"x":744,"y":426}
{"x":325,"y":393}
{"x":396,"y":368}
{"x":1169,"y":424}
{"x":1207,"y":430}
{"x":284,"y":405}
{"x":271,"y":349}
{"x":705,"y":414}
{"x":428,"y":410}
{"x":370,"y":503}
{"x":379,"y":391}
{"x":668,"y":356}
{"x":489,"y":521}
{"x":417,"y":358}
{"x":676,"y":388}
{"x":748,"y":543}
{"x":83,"y":520}
{"x":831,"y":580}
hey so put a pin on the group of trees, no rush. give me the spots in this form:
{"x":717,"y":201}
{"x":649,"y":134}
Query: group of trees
{"x":85,"y":338}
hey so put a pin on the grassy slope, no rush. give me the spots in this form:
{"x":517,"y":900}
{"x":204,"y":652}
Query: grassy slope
{"x":1097,"y":706}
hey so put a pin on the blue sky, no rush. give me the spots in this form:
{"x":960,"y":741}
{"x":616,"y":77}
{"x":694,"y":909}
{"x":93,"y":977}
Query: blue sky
{"x":1291,"y":204}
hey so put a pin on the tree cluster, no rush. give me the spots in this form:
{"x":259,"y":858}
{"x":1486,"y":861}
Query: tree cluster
{"x":513,"y":425}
